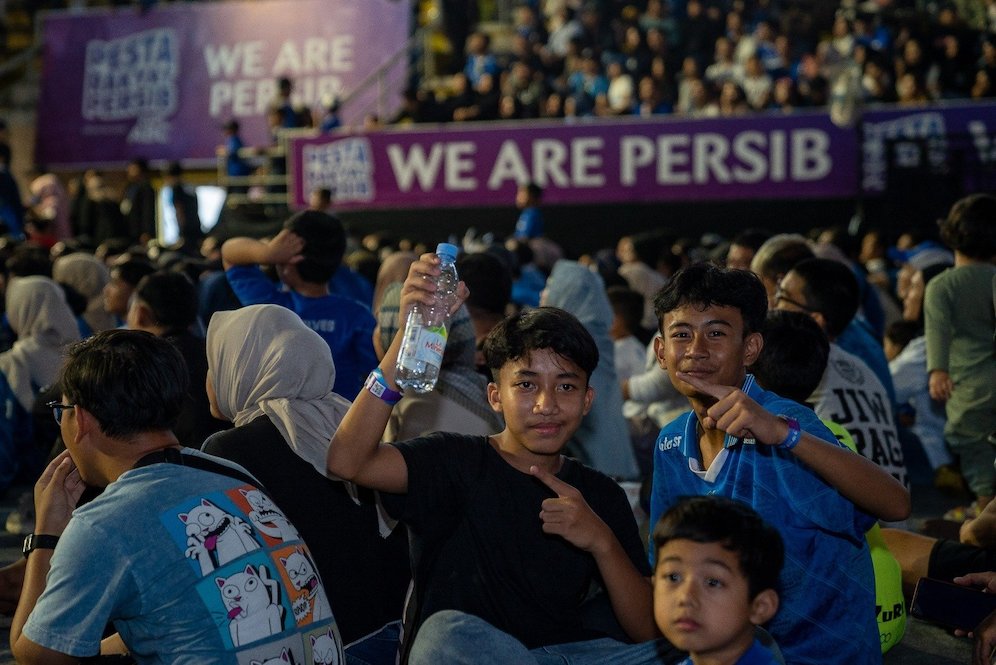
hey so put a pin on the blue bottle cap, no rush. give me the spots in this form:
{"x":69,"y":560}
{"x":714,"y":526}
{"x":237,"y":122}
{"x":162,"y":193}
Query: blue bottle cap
{"x":445,"y":250}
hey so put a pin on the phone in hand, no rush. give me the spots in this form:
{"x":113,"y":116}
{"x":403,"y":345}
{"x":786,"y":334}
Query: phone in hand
{"x":951,"y":605}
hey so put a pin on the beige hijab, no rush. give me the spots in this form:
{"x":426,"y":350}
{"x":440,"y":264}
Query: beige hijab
{"x":88,"y":275}
{"x":45,"y":326}
{"x":264,"y":361}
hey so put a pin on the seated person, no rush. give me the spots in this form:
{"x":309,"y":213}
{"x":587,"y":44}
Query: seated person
{"x":748,"y":444}
{"x":850,"y":393}
{"x":306,"y":253}
{"x":125,"y":276}
{"x":458,"y":402}
{"x":172,"y":551}
{"x":716,"y":580}
{"x":165,"y":304}
{"x":791,"y":364}
{"x":507,"y":535}
{"x":45,"y":326}
{"x":272,"y":377}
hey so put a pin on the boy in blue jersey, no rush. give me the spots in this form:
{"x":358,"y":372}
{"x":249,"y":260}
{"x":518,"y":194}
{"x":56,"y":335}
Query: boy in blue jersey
{"x":774,"y":454}
{"x":306,"y":254}
{"x":716,"y":579}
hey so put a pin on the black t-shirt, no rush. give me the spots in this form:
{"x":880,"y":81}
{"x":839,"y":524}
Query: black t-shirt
{"x":478,"y":546}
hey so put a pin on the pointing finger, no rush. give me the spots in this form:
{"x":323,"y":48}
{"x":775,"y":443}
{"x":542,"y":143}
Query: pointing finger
{"x":705,"y":387}
{"x":553,"y":482}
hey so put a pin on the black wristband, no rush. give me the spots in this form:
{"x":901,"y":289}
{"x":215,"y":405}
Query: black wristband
{"x":38,"y":541}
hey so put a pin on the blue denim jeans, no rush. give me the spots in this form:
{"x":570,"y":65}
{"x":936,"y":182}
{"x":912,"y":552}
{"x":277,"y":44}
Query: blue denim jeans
{"x":455,"y":638}
{"x":379,"y":648}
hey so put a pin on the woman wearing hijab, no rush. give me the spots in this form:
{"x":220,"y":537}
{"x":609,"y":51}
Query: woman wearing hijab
{"x":458,"y":402}
{"x":88,"y":276}
{"x":272,"y":376}
{"x":602,"y":441}
{"x":44,"y":325}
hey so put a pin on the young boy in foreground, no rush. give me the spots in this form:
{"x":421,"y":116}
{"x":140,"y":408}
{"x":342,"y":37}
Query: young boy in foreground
{"x":773,"y":454}
{"x":507,"y":535}
{"x":716,"y":579}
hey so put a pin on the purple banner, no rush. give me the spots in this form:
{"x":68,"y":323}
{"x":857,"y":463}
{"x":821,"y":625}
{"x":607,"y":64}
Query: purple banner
{"x":799,"y":156}
{"x":928,"y":137}
{"x":119,"y":84}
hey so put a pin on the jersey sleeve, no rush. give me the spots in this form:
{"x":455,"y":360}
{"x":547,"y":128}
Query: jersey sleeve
{"x":252,"y":287}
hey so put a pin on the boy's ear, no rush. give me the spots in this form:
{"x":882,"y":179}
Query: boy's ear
{"x":494,"y":397}
{"x":589,"y":398}
{"x":753,"y":344}
{"x":144,"y":315}
{"x":659,"y":351}
{"x":763,"y":607}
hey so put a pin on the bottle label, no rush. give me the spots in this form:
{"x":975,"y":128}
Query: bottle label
{"x":429,"y":343}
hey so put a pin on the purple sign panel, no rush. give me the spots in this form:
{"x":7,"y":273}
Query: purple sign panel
{"x":927,"y":137}
{"x":796,"y":156}
{"x":118,"y":84}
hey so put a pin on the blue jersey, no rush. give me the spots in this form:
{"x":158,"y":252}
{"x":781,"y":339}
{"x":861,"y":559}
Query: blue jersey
{"x":827,"y":585}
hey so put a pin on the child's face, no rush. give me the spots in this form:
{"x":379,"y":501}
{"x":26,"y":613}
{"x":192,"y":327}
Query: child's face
{"x":702,"y":603}
{"x":543,"y":398}
{"x":709,"y":344}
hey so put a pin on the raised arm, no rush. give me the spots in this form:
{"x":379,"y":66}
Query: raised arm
{"x":356,"y":452}
{"x":285,"y":247}
{"x":864,"y":483}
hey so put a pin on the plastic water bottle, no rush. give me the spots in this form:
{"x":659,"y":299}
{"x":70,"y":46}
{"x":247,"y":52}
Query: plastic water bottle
{"x":422,"y":348}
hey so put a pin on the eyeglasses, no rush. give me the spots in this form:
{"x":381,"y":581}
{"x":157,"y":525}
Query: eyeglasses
{"x":57,"y":409}
{"x":780,"y":296}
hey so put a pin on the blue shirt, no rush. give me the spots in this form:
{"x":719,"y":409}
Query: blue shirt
{"x":167,"y":572}
{"x":345,"y":324}
{"x":857,"y":339}
{"x":530,"y":223}
{"x":757,"y":654}
{"x":828,"y":588}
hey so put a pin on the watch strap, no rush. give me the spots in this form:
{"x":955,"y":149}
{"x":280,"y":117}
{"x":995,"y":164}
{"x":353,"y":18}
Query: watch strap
{"x":38,"y":541}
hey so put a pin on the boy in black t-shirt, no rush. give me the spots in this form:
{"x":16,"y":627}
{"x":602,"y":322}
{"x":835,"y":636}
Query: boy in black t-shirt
{"x":508,"y":536}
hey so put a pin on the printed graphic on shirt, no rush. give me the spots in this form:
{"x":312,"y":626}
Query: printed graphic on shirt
{"x":267,"y":517}
{"x":865,"y":412}
{"x":288,"y":651}
{"x":326,"y":648}
{"x":258,"y":596}
{"x":246,"y":601}
{"x":303,"y":584}
{"x":212,"y":531}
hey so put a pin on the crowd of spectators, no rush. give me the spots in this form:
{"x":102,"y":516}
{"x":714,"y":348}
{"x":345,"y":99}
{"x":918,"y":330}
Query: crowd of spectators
{"x":708,"y":58}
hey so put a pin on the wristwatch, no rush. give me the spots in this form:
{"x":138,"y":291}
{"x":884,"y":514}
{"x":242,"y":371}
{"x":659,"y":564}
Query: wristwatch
{"x":38,"y":541}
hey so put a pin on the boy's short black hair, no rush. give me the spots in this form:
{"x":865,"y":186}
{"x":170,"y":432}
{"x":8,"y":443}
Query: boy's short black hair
{"x":540,"y":328}
{"x":903,"y":332}
{"x":705,"y":285}
{"x":535,"y":191}
{"x":171,"y":297}
{"x":970,"y":227}
{"x":830,"y":289}
{"x":734,"y":525}
{"x":627,"y":304}
{"x":324,"y":244}
{"x":794,"y":356}
{"x":752,"y":238}
{"x":131,"y":381}
{"x":132,"y":271}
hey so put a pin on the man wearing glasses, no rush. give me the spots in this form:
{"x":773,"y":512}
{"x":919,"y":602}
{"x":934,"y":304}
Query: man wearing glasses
{"x":850,"y":393}
{"x":172,"y":552}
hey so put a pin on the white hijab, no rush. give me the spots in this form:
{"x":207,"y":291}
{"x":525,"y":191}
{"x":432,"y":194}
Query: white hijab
{"x":264,"y":361}
{"x":45,"y":326}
